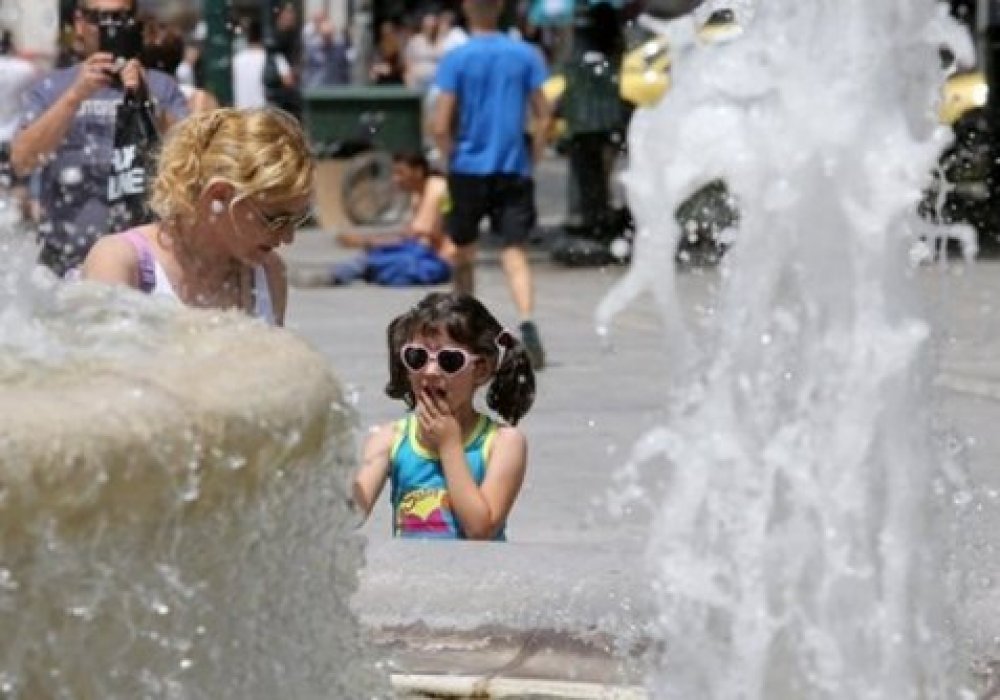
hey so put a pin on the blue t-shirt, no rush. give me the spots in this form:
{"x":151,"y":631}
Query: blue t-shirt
{"x":74,"y":183}
{"x":492,"y":76}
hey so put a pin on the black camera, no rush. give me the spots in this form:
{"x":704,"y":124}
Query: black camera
{"x":120,"y":36}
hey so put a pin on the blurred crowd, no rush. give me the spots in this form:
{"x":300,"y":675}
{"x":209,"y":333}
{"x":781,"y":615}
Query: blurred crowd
{"x":277,"y":64}
{"x":274,"y":65}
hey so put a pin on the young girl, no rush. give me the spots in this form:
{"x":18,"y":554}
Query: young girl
{"x":455,"y":472}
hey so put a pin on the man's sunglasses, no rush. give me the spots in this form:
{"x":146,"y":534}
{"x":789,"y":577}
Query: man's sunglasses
{"x":106,"y":16}
{"x":451,"y":360}
{"x":278,"y":222}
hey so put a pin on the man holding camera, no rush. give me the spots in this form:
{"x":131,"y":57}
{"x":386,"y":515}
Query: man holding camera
{"x":67,"y":129}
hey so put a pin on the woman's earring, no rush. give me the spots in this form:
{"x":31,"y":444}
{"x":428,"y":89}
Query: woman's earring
{"x":217,"y":206}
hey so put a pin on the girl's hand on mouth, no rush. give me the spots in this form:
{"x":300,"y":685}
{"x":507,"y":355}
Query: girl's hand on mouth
{"x":438,"y":427}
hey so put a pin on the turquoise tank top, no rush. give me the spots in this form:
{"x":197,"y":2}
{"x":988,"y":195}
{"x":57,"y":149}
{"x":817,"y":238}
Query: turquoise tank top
{"x":420,"y":503}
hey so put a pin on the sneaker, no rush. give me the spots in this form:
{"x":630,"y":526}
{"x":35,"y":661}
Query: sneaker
{"x":533,"y":344}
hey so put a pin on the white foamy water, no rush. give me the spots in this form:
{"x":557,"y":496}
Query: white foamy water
{"x":173,"y":518}
{"x":802,"y":547}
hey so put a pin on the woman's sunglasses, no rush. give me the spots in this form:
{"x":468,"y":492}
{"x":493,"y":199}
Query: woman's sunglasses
{"x":278,"y":222}
{"x":106,"y":16}
{"x":451,"y":360}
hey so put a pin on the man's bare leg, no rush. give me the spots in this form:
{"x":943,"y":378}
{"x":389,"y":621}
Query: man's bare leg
{"x":517,"y":270}
{"x":464,"y":271}
{"x":514,"y":260}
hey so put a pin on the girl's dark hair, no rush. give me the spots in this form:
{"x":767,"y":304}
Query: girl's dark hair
{"x":469,"y":323}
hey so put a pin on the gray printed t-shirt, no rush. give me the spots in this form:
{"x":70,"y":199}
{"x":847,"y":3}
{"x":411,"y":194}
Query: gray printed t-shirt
{"x":74,"y":184}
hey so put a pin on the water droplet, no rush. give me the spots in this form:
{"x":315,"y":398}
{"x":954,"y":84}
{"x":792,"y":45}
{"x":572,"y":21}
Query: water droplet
{"x":70,"y":176}
{"x":7,"y":580}
{"x":191,"y":490}
{"x":82,"y":612}
{"x":620,"y":248}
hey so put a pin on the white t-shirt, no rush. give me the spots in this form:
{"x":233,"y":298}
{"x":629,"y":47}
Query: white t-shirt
{"x":16,"y":76}
{"x":422,"y":58}
{"x":248,"y":76}
{"x":455,"y":37}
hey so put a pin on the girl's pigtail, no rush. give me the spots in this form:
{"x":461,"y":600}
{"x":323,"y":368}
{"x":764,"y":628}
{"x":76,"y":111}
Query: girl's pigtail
{"x":399,"y":385}
{"x":513,"y":388}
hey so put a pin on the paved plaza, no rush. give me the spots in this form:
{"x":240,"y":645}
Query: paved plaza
{"x":568,"y":597}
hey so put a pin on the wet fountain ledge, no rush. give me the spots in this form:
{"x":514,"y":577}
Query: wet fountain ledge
{"x":172,"y":510}
{"x":521,"y":619}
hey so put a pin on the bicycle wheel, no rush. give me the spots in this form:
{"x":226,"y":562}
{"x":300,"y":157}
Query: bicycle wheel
{"x":368,"y":193}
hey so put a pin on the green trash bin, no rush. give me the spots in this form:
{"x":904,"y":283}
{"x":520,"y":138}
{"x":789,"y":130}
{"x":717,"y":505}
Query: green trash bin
{"x":393,"y":116}
{"x":353,"y":129}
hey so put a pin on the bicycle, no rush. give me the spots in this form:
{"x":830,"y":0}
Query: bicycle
{"x":367,"y":193}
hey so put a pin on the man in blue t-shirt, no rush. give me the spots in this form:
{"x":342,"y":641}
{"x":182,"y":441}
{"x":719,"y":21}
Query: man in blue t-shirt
{"x":67,"y":132}
{"x":486,"y":88}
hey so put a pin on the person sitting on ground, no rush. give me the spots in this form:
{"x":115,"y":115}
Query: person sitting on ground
{"x":455,"y":472}
{"x":231,"y":186}
{"x":420,"y":253}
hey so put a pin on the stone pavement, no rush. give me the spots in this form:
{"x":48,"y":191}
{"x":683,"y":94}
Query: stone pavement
{"x":569,"y":597}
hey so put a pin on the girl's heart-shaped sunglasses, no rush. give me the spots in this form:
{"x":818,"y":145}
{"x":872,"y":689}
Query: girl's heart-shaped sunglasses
{"x":451,"y":360}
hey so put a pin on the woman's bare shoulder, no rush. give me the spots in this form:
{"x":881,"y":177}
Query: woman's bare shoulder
{"x":113,"y":258}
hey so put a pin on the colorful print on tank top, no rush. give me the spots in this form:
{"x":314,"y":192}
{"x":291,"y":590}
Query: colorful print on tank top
{"x":420,"y":503}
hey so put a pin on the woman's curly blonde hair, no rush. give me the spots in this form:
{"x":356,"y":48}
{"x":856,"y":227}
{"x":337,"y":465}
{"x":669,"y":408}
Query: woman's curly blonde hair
{"x":257,"y":150}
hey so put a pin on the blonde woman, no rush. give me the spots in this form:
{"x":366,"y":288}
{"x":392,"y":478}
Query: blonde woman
{"x":231,"y":186}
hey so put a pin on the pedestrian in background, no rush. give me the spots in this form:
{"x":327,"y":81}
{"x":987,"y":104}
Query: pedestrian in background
{"x":450,"y":35}
{"x":596,"y":119}
{"x":422,"y":53}
{"x":16,"y":76}
{"x":387,"y":66}
{"x":486,"y":87}
{"x":230,"y":188}
{"x":67,"y":132}
{"x":287,"y":42}
{"x":164,"y":50}
{"x":325,"y":61}
{"x":250,"y":65}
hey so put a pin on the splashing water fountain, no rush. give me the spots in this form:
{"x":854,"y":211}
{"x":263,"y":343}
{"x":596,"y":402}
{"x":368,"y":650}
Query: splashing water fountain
{"x":173,"y":518}
{"x":802,"y":548}
{"x":172,"y":504}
